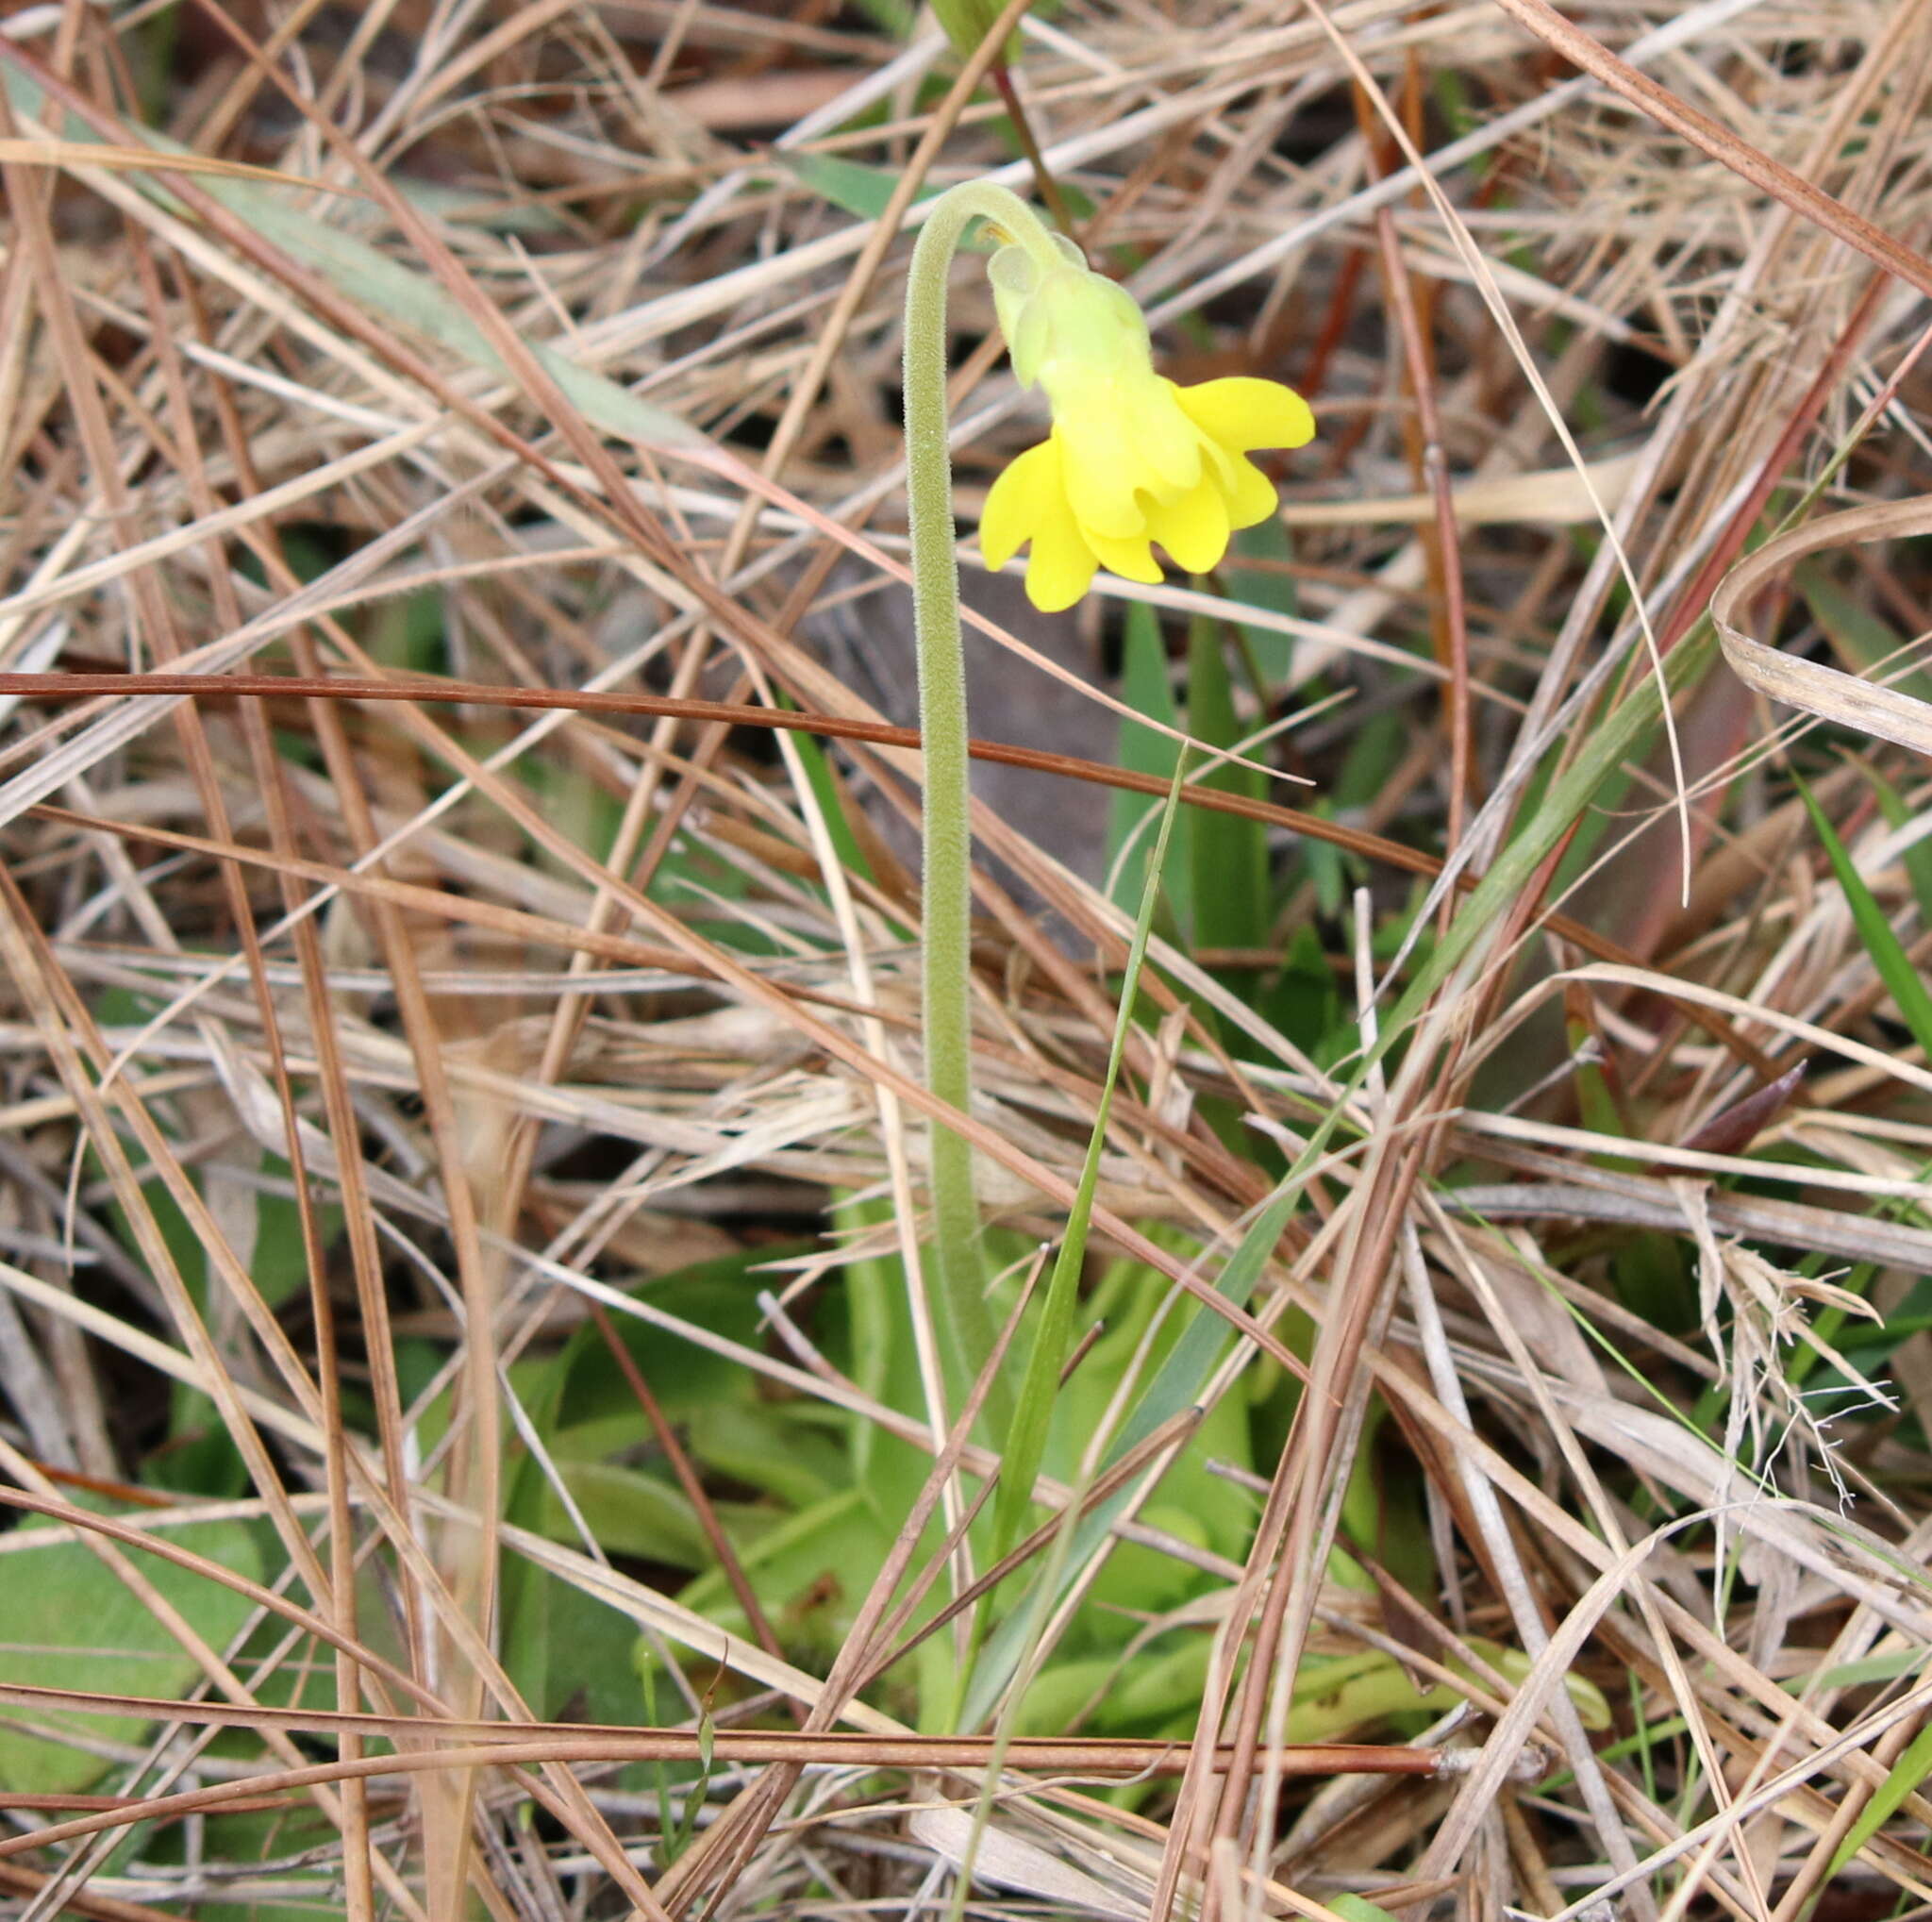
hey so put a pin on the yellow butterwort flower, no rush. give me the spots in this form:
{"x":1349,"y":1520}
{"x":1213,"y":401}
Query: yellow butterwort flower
{"x":1132,"y":458}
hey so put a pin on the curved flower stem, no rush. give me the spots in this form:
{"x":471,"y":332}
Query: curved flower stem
{"x":965,"y":1322}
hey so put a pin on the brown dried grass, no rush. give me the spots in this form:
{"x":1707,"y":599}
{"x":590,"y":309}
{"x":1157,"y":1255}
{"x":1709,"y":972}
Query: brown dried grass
{"x":628,"y":426}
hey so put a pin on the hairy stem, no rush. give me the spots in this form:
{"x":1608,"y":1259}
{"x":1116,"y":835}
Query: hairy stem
{"x":965,"y":1321}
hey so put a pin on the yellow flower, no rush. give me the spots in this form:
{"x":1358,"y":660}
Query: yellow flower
{"x":1132,"y":457}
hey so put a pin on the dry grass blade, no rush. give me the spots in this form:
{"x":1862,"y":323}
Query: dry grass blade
{"x":1885,"y":714}
{"x":50,"y":153}
{"x":1722,"y":144}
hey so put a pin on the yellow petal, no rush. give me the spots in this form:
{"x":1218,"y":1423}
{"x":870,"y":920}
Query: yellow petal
{"x":1102,"y":465}
{"x":1019,"y":501}
{"x":1028,"y":502}
{"x":1166,"y":439}
{"x":1061,"y":566}
{"x":1253,"y":498}
{"x":1242,"y":412}
{"x":1195,"y":528}
{"x":1131,"y":558}
{"x":1125,"y":435}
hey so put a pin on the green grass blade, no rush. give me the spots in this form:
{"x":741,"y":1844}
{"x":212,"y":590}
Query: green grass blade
{"x":1033,"y":1414}
{"x":1907,"y":1772}
{"x":1918,"y":857}
{"x":1145,"y":688}
{"x":1227,"y":878}
{"x":1887,"y":952}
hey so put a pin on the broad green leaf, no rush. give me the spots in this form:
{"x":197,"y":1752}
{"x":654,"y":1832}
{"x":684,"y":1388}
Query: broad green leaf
{"x":1175,"y":1386}
{"x":766,"y":1449}
{"x":1333,"y":1696}
{"x":583,"y":1406}
{"x":1138,"y":1581}
{"x":590,"y":1673}
{"x":810,"y":1572}
{"x":200,"y":1457}
{"x":717,"y":1297}
{"x":1270,"y":587}
{"x":866,"y":1327}
{"x":1303,"y":1001}
{"x":850,"y":186}
{"x":1354,"y":1908}
{"x":472,"y":207}
{"x":629,"y":1511}
{"x":280,"y":1262}
{"x":269,"y":1835}
{"x":71,"y":1623}
{"x":1127,"y":1302}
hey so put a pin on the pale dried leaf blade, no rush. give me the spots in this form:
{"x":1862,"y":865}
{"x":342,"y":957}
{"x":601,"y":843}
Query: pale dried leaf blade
{"x":1883,"y":712}
{"x":1006,"y":1862}
{"x":56,"y":152}
{"x":1551,"y":497}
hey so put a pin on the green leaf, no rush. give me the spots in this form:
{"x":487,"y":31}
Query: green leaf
{"x":968,"y":23}
{"x":1303,"y":1001}
{"x":767,"y":1450}
{"x":472,"y":207}
{"x":824,"y":787}
{"x":809,"y":1571}
{"x":1132,"y":1302}
{"x":717,"y":1297}
{"x":1033,"y":1412}
{"x":71,"y":1623}
{"x":280,"y":1261}
{"x":1270,"y":587}
{"x":582,"y":1405}
{"x":860,"y":191}
{"x":1354,"y":1908}
{"x":269,"y":1835}
{"x":1918,"y":857}
{"x":199,"y":1456}
{"x":1895,"y":969}
{"x":1177,"y":1386}
{"x":589,"y":1674}
{"x":629,"y":1513}
{"x":1229,"y":875}
{"x":1905,"y":1775}
{"x":1144,"y":687}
